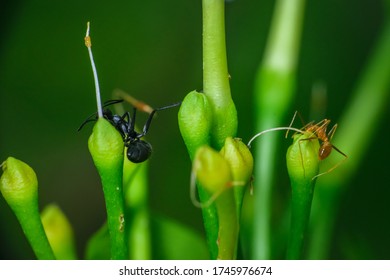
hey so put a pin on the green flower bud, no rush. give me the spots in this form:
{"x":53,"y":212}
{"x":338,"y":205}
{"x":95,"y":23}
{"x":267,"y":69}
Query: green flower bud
{"x":106,"y":147}
{"x":19,"y":187}
{"x":212,"y":170}
{"x":302,"y":158}
{"x":195,"y":121}
{"x":240,"y":160}
{"x":18,"y":183}
{"x":303,"y":166}
{"x":59,"y":232}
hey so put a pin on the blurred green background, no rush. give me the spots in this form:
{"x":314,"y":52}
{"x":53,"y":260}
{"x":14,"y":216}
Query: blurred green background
{"x":152,"y":49}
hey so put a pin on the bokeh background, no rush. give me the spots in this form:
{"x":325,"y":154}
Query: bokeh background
{"x":152,"y":49}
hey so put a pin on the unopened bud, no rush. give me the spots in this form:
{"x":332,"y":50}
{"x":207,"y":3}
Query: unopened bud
{"x":105,"y":145}
{"x":59,"y":232}
{"x":212,"y":170}
{"x":240,"y":160}
{"x":195,"y":121}
{"x":18,"y":183}
{"x":302,"y":158}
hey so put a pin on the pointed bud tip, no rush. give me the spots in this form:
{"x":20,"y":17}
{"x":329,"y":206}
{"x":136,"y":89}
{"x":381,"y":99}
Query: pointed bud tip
{"x":105,"y":143}
{"x":239,"y":157}
{"x":18,"y":181}
{"x":195,"y":120}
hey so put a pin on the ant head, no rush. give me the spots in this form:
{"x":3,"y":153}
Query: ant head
{"x":138,"y":151}
{"x":107,"y":113}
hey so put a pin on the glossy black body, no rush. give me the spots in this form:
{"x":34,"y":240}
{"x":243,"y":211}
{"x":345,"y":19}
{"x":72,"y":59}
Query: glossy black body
{"x":137,"y":150}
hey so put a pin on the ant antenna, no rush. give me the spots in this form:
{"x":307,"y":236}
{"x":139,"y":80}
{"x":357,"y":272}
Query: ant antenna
{"x":140,"y":105}
{"x":273,"y":129}
{"x":88,"y":44}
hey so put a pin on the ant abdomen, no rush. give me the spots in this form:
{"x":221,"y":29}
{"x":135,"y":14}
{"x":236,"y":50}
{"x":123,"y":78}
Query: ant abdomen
{"x":325,"y":150}
{"x":139,"y":151}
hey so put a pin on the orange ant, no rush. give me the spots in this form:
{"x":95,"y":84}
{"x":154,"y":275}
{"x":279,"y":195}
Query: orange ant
{"x":319,"y":132}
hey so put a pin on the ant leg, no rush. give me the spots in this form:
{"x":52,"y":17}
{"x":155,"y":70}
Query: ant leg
{"x":335,"y":166}
{"x":111,"y":102}
{"x":334,"y":147}
{"x":321,"y":126}
{"x":89,"y":119}
{"x":131,"y":122}
{"x":302,"y":121}
{"x":127,"y":120}
{"x":290,"y":125}
{"x":331,"y":133}
{"x":149,"y":120}
{"x":126,"y":115}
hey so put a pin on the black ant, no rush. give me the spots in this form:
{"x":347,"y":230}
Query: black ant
{"x":137,"y":150}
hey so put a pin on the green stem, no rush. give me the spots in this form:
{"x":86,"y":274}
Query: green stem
{"x":355,"y":132}
{"x":59,"y":232}
{"x":302,"y":196}
{"x":228,"y":226}
{"x":210,"y":222}
{"x":19,"y":187}
{"x":33,"y":230}
{"x":274,"y":89}
{"x":303,"y":166}
{"x":215,"y":73}
{"x":195,"y":121}
{"x":106,"y":147}
{"x":113,"y":196}
{"x":136,"y":195}
{"x":214,"y":173}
